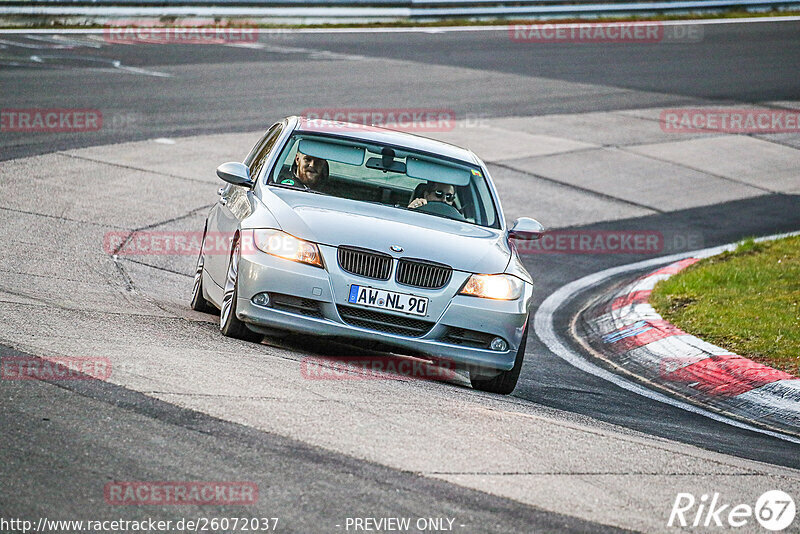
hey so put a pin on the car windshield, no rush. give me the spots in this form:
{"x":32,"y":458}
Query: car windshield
{"x":388,"y":175}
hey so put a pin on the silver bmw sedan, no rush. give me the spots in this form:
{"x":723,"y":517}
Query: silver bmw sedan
{"x":368,"y":234}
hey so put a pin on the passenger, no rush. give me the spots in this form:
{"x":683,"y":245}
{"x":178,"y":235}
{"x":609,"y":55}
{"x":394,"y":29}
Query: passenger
{"x":435,"y":192}
{"x":308,"y":172}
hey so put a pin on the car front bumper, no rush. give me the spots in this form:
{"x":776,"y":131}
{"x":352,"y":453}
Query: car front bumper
{"x":328,"y":289}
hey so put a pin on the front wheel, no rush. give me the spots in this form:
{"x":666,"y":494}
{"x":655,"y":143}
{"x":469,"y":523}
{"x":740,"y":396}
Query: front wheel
{"x":229,"y":324}
{"x":505,"y":382}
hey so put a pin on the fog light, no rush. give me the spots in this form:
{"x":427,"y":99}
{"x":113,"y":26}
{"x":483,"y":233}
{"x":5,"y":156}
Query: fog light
{"x":262,"y":299}
{"x":498,"y":344}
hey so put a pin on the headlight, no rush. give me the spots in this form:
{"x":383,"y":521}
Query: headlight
{"x":493,"y":286}
{"x":287,"y":246}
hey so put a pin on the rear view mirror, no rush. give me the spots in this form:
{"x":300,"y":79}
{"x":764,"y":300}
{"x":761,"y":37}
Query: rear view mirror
{"x":394,"y":166}
{"x":526,"y":228}
{"x":386,"y":162}
{"x":235,"y":173}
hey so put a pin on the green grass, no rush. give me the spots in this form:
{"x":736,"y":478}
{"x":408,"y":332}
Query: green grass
{"x":747,"y":301}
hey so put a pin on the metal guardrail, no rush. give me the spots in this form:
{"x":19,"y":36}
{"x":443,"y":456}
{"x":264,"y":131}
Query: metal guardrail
{"x":370,"y":9}
{"x":609,"y":8}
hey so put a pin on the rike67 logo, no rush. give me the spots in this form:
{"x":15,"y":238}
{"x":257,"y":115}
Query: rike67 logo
{"x":774,"y":510}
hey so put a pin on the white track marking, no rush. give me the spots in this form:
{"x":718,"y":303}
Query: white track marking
{"x":419,"y":29}
{"x":312,"y":53}
{"x":544,"y":327}
{"x":253,"y":46}
{"x":136,"y":70}
{"x":115,"y":64}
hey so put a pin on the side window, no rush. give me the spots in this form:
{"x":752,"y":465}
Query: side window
{"x":487,"y":217}
{"x":255,"y":161}
{"x":254,"y":151}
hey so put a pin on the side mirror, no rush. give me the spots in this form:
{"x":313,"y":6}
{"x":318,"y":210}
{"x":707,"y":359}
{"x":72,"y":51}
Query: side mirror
{"x":235,"y":173}
{"x":526,"y":228}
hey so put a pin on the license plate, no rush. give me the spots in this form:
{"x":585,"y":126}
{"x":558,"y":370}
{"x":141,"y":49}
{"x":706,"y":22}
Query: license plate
{"x":388,"y":300}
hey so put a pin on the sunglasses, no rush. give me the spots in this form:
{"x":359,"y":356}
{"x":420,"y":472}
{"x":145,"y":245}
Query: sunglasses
{"x":448,"y":197}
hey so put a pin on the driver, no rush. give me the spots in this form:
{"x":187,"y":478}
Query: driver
{"x":435,"y":192}
{"x":307,"y":172}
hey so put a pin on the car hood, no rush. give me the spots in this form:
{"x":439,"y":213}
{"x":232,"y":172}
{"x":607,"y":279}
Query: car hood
{"x":336,"y":221}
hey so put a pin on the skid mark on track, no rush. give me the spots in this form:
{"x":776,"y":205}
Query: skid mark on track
{"x":75,"y":42}
{"x":60,"y":56}
{"x":36,"y":45}
{"x":310,"y":52}
{"x":132,"y":168}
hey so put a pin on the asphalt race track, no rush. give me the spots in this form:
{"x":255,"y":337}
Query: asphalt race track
{"x":567,"y":452}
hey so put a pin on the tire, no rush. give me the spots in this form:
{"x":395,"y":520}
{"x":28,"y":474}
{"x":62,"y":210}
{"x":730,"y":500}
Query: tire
{"x":505,"y":382}
{"x":199,"y":302}
{"x":229,"y":325}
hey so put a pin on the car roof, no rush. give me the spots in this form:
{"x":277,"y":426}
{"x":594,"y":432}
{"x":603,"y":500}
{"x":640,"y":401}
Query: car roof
{"x":380,"y":135}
